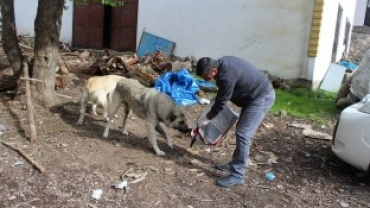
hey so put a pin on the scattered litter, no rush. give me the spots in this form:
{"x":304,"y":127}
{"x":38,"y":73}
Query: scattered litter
{"x":251,"y":164}
{"x":19,"y":162}
{"x":153,"y":168}
{"x":196,"y":161}
{"x":134,"y":175}
{"x":266,"y":158}
{"x":2,"y":129}
{"x":344,"y":204}
{"x":207,"y":149}
{"x":12,"y":198}
{"x":204,"y":101}
{"x":280,"y":187}
{"x":200,"y":174}
{"x":92,"y":205}
{"x":206,"y":200}
{"x":317,"y":191}
{"x":309,"y":132}
{"x":193,"y":170}
{"x":268,"y":125}
{"x":96,"y":193}
{"x":61,"y":145}
{"x":270,"y":176}
{"x":121,"y":185}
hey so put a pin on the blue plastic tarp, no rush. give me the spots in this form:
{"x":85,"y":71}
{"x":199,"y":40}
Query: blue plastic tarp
{"x":348,"y":65}
{"x":180,"y":86}
{"x":206,"y":85}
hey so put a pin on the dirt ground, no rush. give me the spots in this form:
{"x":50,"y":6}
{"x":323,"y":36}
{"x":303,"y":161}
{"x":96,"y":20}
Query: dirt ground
{"x":78,"y":160}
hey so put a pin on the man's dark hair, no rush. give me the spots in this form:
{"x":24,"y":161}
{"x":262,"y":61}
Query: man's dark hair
{"x":204,"y":65}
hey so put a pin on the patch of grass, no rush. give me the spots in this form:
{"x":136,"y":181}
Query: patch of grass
{"x":304,"y":103}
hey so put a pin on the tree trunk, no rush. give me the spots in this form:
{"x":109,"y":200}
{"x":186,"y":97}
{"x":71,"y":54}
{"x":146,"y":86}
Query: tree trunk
{"x":9,"y":34}
{"x":47,"y":30}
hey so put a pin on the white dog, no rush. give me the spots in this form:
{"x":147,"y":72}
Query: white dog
{"x":99,"y":91}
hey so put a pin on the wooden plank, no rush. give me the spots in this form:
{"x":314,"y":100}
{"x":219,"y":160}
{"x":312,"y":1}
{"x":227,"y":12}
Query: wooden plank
{"x":146,"y":77}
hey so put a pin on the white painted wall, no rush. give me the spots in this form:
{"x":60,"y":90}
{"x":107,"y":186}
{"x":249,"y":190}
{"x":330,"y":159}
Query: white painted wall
{"x":318,"y":66}
{"x":25,"y":15}
{"x":360,"y":13}
{"x":272,"y":34}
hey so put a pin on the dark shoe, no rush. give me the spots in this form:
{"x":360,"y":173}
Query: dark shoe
{"x":223,"y":167}
{"x":229,"y":181}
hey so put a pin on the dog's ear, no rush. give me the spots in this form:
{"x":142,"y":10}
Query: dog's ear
{"x":171,"y":116}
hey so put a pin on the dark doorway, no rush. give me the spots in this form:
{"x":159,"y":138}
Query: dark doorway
{"x":336,"y":35}
{"x":367,"y":15}
{"x":98,"y":26}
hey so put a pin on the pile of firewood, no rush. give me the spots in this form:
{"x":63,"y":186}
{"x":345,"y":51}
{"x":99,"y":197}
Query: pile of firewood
{"x":148,"y":67}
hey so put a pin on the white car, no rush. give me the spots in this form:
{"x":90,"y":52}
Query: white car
{"x":351,"y":138}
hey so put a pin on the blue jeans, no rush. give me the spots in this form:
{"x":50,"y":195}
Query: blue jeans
{"x":250,"y":118}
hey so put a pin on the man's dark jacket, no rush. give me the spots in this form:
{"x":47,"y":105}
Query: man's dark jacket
{"x":238,"y":81}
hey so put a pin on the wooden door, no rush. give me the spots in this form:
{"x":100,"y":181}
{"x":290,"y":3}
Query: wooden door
{"x":123,"y":26}
{"x":88,"y":23}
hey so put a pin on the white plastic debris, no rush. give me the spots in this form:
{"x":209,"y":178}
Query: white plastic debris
{"x":19,"y":162}
{"x":344,"y":204}
{"x":204,"y":101}
{"x":207,"y":149}
{"x":96,"y":193}
{"x":121,"y":185}
{"x":2,"y":129}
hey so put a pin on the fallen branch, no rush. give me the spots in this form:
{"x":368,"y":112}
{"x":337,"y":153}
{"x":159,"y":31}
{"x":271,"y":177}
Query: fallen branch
{"x":30,"y":79}
{"x":28,"y":158}
{"x":126,"y":173}
{"x":92,"y":205}
{"x":142,"y":177}
{"x":26,"y":47}
{"x":64,"y":96}
{"x":33,"y":134}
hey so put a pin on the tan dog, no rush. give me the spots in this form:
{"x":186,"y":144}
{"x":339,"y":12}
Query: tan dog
{"x":99,"y":91}
{"x":151,"y":106}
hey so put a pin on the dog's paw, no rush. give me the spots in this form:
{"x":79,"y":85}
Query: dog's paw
{"x":170,"y":145}
{"x":79,"y":123}
{"x":160,"y":153}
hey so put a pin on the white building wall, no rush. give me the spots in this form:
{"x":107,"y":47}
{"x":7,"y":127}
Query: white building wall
{"x":25,"y":15}
{"x":318,"y":66}
{"x":360,"y":13}
{"x":272,"y":34}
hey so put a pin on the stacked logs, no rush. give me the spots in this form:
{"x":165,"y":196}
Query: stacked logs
{"x":148,"y":67}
